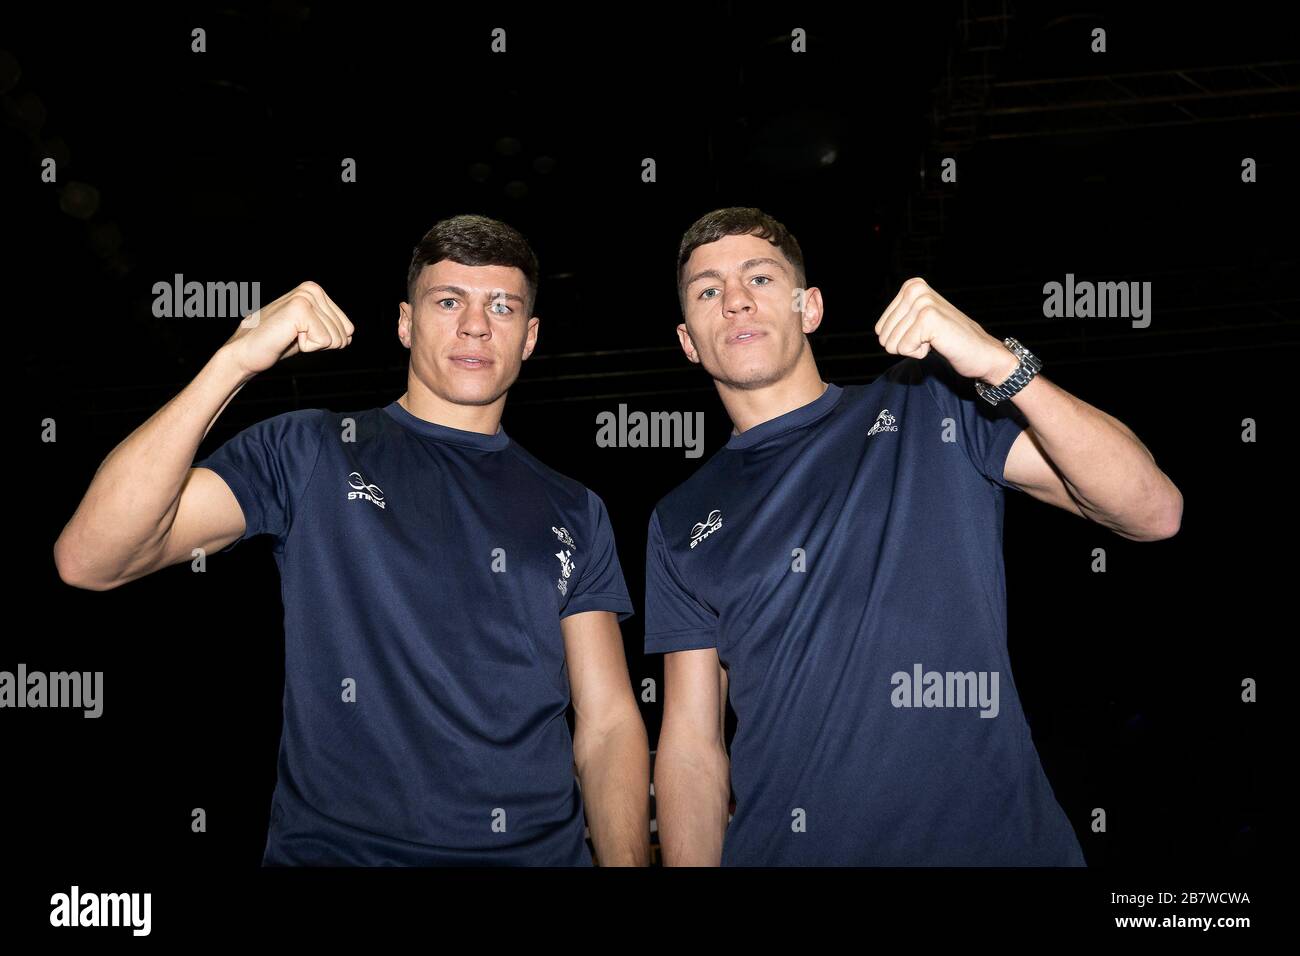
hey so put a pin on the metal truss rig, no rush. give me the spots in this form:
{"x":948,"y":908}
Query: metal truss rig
{"x":1108,"y":102}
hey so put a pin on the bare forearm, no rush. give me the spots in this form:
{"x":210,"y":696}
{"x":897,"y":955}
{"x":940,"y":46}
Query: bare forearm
{"x":692,"y":794}
{"x":1108,"y":471}
{"x":124,"y":517}
{"x":614,"y":769}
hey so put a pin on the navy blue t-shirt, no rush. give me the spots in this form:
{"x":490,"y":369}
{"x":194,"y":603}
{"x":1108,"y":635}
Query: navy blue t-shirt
{"x":424,"y":572}
{"x":845,"y":559}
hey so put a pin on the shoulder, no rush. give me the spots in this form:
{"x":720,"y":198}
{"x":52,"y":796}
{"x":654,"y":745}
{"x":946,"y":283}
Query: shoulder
{"x":933,"y":372}
{"x":554,"y":483}
{"x":865,"y":398}
{"x":931,"y":375}
{"x":685,"y":498}
{"x":281,"y":429}
{"x":299,"y":419}
{"x":912,"y":371}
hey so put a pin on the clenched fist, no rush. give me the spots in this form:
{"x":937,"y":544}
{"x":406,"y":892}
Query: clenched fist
{"x":920,"y":319}
{"x":304,"y":319}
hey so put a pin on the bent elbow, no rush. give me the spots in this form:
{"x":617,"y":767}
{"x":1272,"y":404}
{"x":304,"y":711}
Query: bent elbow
{"x":1175,"y":520}
{"x":1170,"y":521}
{"x":72,"y":571}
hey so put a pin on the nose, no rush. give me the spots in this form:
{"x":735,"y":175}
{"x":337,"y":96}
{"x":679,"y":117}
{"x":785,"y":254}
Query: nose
{"x":474,"y":324}
{"x":737,"y":300}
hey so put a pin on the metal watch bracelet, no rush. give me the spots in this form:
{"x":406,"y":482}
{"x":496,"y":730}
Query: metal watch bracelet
{"x":1029,"y":366}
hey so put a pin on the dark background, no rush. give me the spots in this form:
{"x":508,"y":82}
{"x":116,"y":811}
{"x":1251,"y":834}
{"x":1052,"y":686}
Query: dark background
{"x":1122,"y":166}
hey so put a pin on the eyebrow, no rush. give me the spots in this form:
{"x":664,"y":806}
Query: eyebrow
{"x":465,"y":295}
{"x":744,"y":267}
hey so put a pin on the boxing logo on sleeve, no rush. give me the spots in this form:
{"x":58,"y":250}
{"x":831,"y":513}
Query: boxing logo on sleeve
{"x":566,"y":558}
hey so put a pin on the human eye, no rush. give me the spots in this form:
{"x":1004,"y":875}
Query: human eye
{"x":766,"y":279}
{"x":705,"y":293}
{"x":442,"y":301}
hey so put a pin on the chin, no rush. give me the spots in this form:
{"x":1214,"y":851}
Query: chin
{"x":474,"y":396}
{"x":750,"y":376}
{"x":473,"y":392}
{"x":756,"y":371}
{"x":754,"y":382}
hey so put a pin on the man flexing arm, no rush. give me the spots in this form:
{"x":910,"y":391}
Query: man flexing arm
{"x":125,"y":527}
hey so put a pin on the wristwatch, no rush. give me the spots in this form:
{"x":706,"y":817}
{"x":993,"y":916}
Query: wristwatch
{"x":1029,"y":366}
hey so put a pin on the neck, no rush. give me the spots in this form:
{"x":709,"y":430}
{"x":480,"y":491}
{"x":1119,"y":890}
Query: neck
{"x":748,"y":407}
{"x":425,"y":404}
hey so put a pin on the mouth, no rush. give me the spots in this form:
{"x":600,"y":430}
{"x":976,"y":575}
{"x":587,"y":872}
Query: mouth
{"x":743,"y":336}
{"x":471,"y":361}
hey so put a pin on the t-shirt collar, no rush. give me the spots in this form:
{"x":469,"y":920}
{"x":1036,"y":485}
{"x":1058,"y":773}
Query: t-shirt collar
{"x":795,"y":418}
{"x":458,"y":436}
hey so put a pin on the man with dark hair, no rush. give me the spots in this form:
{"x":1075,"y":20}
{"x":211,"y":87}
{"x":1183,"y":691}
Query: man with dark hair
{"x":446,"y":594}
{"x":475,"y":241}
{"x":836,"y":571}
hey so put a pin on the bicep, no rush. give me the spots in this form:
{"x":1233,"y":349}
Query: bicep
{"x":598,"y":677}
{"x":208,"y":516}
{"x":695,"y":695}
{"x":1031,"y":472}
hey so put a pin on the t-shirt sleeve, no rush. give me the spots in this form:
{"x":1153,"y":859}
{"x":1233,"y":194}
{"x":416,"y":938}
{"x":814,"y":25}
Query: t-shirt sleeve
{"x":674,"y":619}
{"x":600,"y":585}
{"x":267,"y":466}
{"x":985,"y":432}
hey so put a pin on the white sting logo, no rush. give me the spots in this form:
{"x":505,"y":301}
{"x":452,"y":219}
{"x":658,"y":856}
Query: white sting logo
{"x":363,"y":491}
{"x":706,"y":527}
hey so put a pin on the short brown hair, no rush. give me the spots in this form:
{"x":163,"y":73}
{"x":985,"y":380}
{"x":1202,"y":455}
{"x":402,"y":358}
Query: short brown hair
{"x":474,"y":241}
{"x":738,"y":221}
